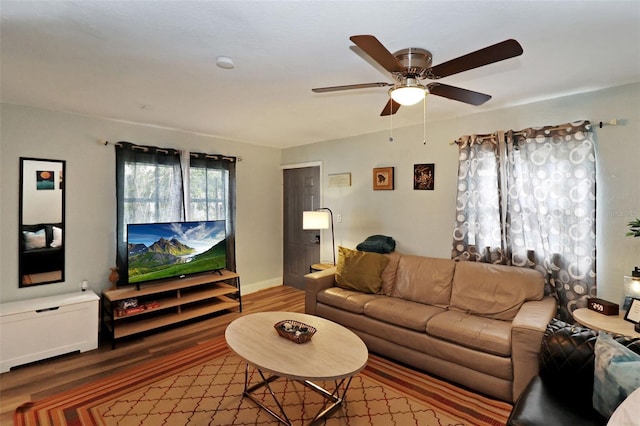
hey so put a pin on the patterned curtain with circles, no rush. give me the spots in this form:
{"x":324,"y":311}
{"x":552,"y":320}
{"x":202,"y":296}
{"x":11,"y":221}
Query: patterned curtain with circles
{"x":527,"y":198}
{"x":551,"y":208}
{"x":478,"y":234}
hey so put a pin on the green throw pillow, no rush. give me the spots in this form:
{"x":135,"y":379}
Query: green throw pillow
{"x":359,"y":270}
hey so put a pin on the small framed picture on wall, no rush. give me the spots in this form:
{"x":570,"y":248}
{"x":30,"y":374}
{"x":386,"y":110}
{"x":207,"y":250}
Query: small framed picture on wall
{"x":383,"y":178}
{"x":424,"y":176}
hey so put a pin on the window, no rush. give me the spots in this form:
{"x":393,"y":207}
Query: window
{"x":150,"y":187}
{"x":148,"y":192}
{"x":208,"y":189}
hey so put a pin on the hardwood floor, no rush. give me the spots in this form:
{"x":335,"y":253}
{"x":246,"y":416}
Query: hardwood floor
{"x":38,"y":380}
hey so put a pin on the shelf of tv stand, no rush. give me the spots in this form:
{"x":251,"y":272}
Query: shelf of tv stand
{"x":177,"y":299}
{"x":187,"y":313}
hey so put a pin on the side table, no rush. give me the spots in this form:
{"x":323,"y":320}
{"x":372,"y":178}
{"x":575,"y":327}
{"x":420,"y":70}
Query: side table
{"x":611,"y":323}
{"x":320,"y":267}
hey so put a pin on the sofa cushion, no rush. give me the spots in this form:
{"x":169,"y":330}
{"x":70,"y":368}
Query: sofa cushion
{"x":349,"y":300}
{"x":403,"y":313}
{"x":494,"y":291}
{"x":616,"y":374}
{"x":424,"y":280}
{"x":361,"y":271}
{"x":389,"y":273}
{"x":567,"y":361}
{"x":485,"y":334}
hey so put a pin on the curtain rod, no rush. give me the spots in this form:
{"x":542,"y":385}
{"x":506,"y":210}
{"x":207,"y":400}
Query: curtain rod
{"x":215,"y":156}
{"x":601,"y":124}
{"x":134,"y":146}
{"x":142,"y":148}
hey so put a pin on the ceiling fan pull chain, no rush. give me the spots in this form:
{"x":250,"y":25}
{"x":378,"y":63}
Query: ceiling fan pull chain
{"x":391,"y":136}
{"x":424,"y":121}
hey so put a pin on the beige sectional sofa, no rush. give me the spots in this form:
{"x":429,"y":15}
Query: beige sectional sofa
{"x":476,"y":324}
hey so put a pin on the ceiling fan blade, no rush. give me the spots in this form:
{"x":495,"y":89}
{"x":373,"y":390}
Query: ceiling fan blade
{"x":349,"y":87}
{"x":495,"y":53}
{"x":372,"y":47}
{"x":390,"y":108}
{"x":458,"y":94}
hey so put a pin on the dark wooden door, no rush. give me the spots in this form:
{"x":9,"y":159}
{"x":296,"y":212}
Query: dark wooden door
{"x":301,"y":248}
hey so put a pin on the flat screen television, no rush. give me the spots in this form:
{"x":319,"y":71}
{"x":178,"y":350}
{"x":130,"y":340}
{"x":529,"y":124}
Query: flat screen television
{"x":157,"y":251}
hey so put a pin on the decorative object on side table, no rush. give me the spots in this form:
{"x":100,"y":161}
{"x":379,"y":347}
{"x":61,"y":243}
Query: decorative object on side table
{"x":634,"y":228}
{"x":320,"y":218}
{"x":632,"y":283}
{"x":602,"y":306}
{"x":633,"y":314}
{"x":631,"y":288}
{"x":114,"y":276}
{"x":295,"y":331}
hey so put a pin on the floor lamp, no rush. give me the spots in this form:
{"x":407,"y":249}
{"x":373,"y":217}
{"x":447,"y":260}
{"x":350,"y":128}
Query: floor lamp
{"x":321,"y":218}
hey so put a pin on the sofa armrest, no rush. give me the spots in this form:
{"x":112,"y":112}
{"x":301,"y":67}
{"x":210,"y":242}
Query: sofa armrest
{"x":315,"y":283}
{"x":527,"y":330}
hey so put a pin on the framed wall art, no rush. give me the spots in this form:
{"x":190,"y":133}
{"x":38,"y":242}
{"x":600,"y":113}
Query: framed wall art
{"x":424,"y":176}
{"x":45,"y":179}
{"x":383,"y":178}
{"x":339,"y":180}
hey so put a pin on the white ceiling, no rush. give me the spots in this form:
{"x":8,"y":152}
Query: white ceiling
{"x":153,"y":62}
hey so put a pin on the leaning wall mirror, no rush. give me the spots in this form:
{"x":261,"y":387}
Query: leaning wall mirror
{"x":42,"y":230}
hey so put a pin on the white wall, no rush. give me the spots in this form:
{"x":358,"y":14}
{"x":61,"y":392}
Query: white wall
{"x":90,"y":195}
{"x":421,"y":222}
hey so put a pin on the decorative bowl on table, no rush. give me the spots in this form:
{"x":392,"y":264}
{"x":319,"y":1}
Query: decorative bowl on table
{"x":295,"y":331}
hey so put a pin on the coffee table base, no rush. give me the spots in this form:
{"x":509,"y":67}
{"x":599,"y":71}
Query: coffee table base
{"x":334,"y":397}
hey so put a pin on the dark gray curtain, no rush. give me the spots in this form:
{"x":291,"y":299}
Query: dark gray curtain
{"x":215,"y":208}
{"x":149,"y":189}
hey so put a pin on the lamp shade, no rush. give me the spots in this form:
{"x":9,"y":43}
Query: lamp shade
{"x":408,"y":95}
{"x":316,"y":220}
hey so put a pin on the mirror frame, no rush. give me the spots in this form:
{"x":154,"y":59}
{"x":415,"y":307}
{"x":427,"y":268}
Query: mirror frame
{"x":58,"y":181}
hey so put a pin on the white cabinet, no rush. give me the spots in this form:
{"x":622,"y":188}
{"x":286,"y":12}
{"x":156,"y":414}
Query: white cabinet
{"x":35,"y":329}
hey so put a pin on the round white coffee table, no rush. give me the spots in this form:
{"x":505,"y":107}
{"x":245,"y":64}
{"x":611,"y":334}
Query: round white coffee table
{"x":334,"y":353}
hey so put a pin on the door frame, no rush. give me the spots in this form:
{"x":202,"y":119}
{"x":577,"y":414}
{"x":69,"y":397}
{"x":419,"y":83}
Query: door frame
{"x":321,"y":192}
{"x":303,"y":165}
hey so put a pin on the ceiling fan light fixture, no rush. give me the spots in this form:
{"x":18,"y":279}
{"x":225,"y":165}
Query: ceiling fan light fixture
{"x":409,"y":93}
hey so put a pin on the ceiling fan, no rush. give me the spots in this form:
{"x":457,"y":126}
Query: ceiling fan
{"x":409,"y":66}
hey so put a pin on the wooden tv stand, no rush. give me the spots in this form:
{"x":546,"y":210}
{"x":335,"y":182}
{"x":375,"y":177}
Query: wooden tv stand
{"x":167,"y":302}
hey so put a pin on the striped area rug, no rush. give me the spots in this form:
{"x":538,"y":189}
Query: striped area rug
{"x":203,"y":386}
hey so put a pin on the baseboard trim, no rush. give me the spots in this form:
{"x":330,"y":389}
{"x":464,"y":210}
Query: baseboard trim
{"x":260,"y":285}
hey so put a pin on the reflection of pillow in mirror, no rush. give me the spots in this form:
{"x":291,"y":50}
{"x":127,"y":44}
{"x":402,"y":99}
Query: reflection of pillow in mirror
{"x":34,"y":240}
{"x":57,"y":237}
